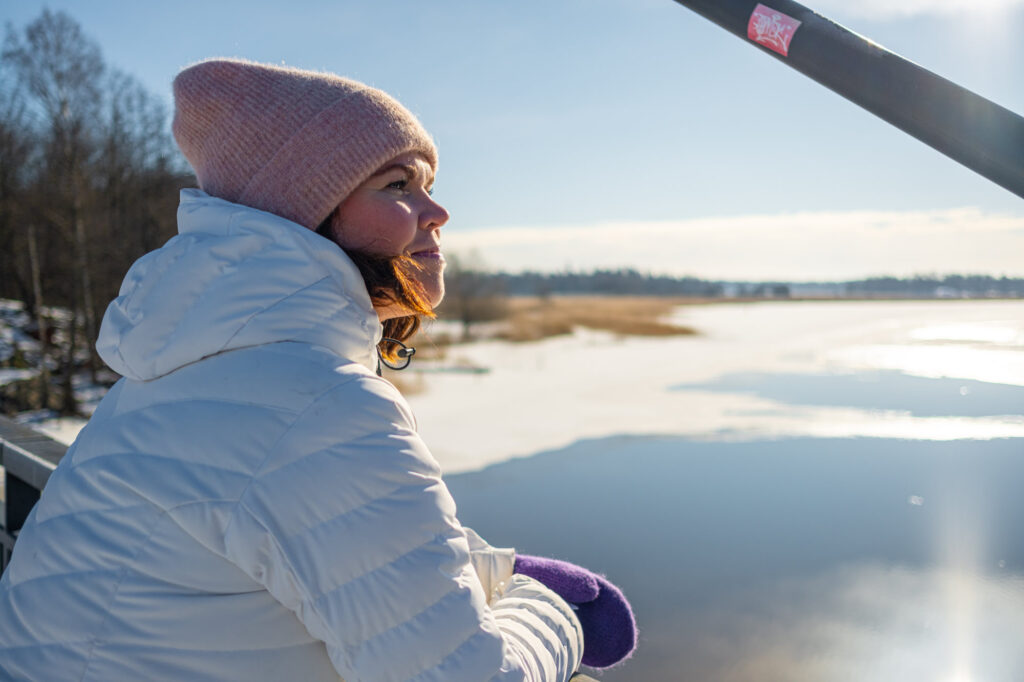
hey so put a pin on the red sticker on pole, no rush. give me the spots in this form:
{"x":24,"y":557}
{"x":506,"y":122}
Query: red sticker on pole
{"x":772,"y":28}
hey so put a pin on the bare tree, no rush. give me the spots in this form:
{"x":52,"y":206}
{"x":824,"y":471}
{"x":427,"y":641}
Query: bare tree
{"x":470,"y":295}
{"x":88,"y":172}
{"x":136,"y":173}
{"x":16,"y":146}
{"x":60,"y":70}
{"x":89,"y":179}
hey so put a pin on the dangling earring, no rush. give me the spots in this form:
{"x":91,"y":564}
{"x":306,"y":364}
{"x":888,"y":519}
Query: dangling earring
{"x":404,"y":353}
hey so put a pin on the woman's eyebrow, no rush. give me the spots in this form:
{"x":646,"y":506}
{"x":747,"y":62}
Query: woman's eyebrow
{"x":411,"y":171}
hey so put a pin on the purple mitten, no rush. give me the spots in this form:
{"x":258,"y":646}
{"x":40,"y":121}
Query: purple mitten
{"x":609,"y":629}
{"x":570,"y":582}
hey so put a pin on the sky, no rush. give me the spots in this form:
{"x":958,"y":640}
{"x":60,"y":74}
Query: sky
{"x":634,"y":133}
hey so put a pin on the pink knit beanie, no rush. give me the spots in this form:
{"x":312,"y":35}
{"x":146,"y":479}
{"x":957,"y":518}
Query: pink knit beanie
{"x":293,"y":143}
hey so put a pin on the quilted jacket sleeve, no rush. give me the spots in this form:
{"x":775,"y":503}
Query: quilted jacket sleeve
{"x":349,"y":525}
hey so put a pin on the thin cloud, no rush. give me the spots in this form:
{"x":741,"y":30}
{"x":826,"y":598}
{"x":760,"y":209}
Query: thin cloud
{"x":888,"y":9}
{"x":807,"y":246}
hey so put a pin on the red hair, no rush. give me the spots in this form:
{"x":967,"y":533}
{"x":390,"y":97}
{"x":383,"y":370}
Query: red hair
{"x":390,"y":280}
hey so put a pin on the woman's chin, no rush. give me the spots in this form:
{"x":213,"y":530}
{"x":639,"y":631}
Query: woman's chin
{"x":430,"y":276}
{"x":433,"y":292}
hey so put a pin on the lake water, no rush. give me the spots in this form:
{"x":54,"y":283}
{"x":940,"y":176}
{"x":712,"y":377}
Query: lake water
{"x":789,"y":560}
{"x":806,"y":491}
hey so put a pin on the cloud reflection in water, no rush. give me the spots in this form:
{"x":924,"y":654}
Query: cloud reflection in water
{"x":860,"y":623}
{"x":825,"y":560}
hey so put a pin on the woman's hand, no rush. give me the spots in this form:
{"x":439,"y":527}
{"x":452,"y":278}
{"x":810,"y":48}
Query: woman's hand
{"x":609,"y":628}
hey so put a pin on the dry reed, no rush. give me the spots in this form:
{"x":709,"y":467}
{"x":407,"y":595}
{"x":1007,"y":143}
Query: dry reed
{"x":531,"y":319}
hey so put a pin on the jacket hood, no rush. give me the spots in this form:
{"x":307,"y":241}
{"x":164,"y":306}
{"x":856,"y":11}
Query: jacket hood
{"x":235,"y":277}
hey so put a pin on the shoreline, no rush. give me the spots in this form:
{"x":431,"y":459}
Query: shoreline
{"x":529,"y":318}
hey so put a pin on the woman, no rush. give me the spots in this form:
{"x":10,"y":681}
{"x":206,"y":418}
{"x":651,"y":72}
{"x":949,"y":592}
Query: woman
{"x":252,"y":501}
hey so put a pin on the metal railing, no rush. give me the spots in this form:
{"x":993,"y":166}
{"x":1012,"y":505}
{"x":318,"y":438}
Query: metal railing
{"x":28,"y":458}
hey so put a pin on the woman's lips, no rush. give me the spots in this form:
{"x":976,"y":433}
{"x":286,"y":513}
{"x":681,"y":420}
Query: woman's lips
{"x":433,"y":253}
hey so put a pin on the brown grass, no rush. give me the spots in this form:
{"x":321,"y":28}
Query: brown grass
{"x":531,"y":319}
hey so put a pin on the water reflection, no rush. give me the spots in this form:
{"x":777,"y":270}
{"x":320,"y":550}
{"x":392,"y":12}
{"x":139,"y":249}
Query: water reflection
{"x":789,"y":560}
{"x":856,"y":624}
{"x":879,"y":390}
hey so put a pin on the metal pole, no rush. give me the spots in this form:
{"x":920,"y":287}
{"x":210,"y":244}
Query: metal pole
{"x":974,"y":131}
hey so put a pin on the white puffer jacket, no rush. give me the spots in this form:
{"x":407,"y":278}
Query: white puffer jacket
{"x":251,"y":502}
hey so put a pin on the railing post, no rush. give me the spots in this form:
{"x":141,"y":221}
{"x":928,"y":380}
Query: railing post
{"x":28,"y":458}
{"x":21,"y":497}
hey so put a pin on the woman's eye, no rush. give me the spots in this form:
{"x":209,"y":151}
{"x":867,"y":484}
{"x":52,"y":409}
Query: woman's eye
{"x":398,"y":184}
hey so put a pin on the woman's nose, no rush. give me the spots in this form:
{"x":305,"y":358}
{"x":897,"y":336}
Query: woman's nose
{"x":434,"y":216}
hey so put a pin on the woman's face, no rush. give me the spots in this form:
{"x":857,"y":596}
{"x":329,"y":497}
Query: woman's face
{"x":392,"y":214}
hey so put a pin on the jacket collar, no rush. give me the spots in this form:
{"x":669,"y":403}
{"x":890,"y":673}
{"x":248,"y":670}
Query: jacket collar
{"x":235,"y":277}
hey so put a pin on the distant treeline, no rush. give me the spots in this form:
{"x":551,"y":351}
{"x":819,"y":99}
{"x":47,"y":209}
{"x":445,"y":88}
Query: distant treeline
{"x":950,"y":286}
{"x":628,"y":281}
{"x":622,"y":282}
